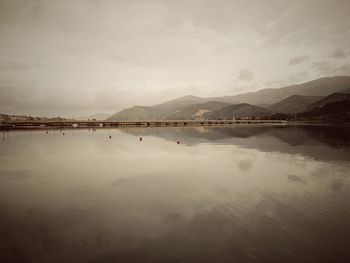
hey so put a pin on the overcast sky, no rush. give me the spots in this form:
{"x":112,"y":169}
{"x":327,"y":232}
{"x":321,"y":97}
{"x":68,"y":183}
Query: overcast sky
{"x":64,"y":57}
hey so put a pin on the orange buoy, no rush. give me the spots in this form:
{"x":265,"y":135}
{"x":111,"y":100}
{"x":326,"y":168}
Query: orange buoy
{"x":140,"y":139}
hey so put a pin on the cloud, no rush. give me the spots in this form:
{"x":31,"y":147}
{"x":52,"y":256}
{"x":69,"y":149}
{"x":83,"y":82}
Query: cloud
{"x":298,"y":60}
{"x":338,"y":53}
{"x":22,"y":99}
{"x":290,"y":80}
{"x":245,"y":75}
{"x":63,"y":54}
{"x":323,"y":66}
{"x":331,"y":68}
{"x":242,"y":81}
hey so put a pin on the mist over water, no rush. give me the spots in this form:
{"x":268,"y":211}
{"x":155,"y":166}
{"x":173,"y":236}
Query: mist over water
{"x":224,"y":194}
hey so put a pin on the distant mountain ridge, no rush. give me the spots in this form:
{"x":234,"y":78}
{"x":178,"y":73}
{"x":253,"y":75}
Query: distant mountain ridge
{"x":319,"y":87}
{"x":160,"y":111}
{"x":297,"y":98}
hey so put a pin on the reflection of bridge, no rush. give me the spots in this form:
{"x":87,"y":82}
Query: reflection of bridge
{"x":152,"y":123}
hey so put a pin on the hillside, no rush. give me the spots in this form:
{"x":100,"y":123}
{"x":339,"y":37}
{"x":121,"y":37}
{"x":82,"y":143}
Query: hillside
{"x":294,"y":104}
{"x":335,"y":97}
{"x":135,"y":113}
{"x":335,"y":111}
{"x":197,"y":111}
{"x":239,"y":111}
{"x":159,"y":111}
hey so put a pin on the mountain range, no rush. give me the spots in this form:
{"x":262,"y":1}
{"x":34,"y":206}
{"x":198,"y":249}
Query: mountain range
{"x":241,"y":110}
{"x":293,"y":104}
{"x":333,"y":107}
{"x":291,"y":101}
{"x":335,"y":97}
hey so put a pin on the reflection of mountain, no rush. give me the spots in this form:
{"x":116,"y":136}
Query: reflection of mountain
{"x":319,"y":142}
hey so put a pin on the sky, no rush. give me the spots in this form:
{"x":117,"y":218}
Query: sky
{"x":80,"y":57}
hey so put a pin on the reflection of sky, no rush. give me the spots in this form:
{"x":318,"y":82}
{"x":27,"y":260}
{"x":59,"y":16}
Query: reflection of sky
{"x":98,"y":190}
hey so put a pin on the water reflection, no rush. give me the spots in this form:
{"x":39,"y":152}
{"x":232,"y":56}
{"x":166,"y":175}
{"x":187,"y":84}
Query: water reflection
{"x":319,"y":142}
{"x":242,"y":194}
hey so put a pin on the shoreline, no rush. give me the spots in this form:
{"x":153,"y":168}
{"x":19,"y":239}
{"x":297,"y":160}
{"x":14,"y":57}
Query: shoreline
{"x":23,"y":125}
{"x":144,"y":124}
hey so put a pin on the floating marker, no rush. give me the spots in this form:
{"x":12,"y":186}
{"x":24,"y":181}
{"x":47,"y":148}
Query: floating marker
{"x":110,"y":137}
{"x":63,"y":133}
{"x":47,"y":132}
{"x":178,"y":142}
{"x":140,"y":139}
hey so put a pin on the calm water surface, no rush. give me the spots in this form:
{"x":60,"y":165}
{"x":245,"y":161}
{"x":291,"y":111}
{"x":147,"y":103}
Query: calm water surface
{"x":239,"y":194}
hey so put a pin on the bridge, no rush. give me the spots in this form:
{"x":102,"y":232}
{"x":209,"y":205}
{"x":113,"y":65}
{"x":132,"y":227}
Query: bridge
{"x":109,"y":124}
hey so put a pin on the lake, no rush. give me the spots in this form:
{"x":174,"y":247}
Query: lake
{"x":223,"y":194}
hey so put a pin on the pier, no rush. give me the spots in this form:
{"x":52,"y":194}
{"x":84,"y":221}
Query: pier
{"x":110,"y":124}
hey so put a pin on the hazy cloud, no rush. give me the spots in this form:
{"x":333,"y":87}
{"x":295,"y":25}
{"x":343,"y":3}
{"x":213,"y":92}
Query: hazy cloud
{"x":243,"y":81}
{"x":331,"y":68}
{"x":297,"y":60}
{"x":342,"y":69}
{"x":86,"y":55}
{"x":245,"y":75}
{"x":323,"y":66}
{"x":338,"y":53}
{"x":290,"y":80}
